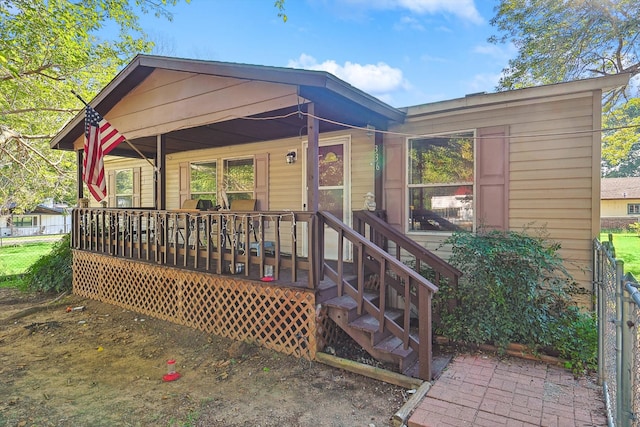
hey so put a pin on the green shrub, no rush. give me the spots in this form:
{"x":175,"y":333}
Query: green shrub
{"x":575,"y":338}
{"x":514,"y":289}
{"x":635,"y":228}
{"x":52,"y":272}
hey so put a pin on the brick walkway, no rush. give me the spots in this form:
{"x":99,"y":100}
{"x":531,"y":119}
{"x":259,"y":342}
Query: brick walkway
{"x":481,"y":390}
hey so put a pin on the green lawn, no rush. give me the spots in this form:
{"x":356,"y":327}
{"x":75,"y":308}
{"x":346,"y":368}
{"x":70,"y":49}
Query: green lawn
{"x":16,"y":259}
{"x":627,"y":249}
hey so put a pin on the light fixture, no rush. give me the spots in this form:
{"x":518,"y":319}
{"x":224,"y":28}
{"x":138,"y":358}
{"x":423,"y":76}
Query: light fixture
{"x":291,"y":156}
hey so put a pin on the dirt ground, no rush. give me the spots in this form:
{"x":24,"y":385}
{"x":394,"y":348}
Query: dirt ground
{"x":103,"y":366}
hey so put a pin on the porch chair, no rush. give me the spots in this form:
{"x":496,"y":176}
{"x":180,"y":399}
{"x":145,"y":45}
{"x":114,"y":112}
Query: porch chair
{"x":249,"y":205}
{"x":191,"y":206}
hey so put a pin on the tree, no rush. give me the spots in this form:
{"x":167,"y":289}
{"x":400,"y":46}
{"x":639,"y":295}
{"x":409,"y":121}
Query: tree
{"x":560,"y":41}
{"x":48,"y":48}
{"x":624,"y":139}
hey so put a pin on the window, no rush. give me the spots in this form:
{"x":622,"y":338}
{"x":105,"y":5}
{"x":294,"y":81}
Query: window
{"x":633,"y":208}
{"x":331,"y":179}
{"x":440,"y":181}
{"x":25,"y":221}
{"x":124,"y":188}
{"x":238,"y":179}
{"x":204,"y":181}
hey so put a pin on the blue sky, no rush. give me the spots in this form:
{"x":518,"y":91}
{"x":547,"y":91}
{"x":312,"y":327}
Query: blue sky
{"x":405,"y":52}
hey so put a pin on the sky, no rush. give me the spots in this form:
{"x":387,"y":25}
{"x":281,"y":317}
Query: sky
{"x":404,"y":52}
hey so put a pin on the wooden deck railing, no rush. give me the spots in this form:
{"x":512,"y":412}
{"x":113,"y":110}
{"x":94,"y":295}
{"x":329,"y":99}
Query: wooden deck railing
{"x":370,"y":259}
{"x":221,"y":242}
{"x":403,"y":248}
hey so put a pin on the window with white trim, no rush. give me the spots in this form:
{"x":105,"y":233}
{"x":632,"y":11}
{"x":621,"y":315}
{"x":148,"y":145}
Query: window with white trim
{"x":633,"y":208}
{"x":238,"y":179}
{"x":204,"y":181}
{"x":124,"y":188}
{"x":441,"y":182}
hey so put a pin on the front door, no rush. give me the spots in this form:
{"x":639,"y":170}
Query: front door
{"x":333,"y":189}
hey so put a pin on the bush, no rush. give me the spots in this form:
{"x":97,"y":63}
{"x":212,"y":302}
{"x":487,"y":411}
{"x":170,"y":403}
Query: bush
{"x":514,"y":289}
{"x":52,"y":272}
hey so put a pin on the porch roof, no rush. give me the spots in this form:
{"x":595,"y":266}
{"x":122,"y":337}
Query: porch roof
{"x":335,"y":100}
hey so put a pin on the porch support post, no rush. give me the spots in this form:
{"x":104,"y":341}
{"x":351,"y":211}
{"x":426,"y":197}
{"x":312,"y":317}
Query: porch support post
{"x":378,"y":162}
{"x":312,"y":159}
{"x":160,"y":173}
{"x":80,"y":161}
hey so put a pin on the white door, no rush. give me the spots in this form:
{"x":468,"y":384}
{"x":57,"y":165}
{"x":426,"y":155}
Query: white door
{"x":333,"y":189}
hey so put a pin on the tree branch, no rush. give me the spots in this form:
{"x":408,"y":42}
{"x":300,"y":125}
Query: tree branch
{"x":7,"y":135}
{"x":32,"y":110}
{"x":38,"y":70}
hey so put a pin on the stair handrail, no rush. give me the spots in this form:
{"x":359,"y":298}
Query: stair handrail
{"x":424,"y":289}
{"x":402,"y":242}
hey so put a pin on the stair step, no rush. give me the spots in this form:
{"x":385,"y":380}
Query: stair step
{"x":393,"y":345}
{"x":369,"y":323}
{"x":345,"y":302}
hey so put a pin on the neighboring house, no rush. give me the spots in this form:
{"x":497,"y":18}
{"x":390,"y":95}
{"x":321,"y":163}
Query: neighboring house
{"x":620,"y":202}
{"x":305,"y":148}
{"x":46,"y":218}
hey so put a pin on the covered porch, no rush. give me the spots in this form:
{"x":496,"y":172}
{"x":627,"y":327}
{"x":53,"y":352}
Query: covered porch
{"x":288,"y":271}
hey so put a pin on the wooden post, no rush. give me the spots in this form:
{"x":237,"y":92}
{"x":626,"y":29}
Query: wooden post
{"x":424,"y":332}
{"x":80,"y":161}
{"x":378,"y":162}
{"x":160,"y":174}
{"x":313,"y":171}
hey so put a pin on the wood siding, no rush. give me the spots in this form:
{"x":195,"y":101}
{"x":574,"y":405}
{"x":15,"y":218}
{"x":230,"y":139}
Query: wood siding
{"x":142,"y":198}
{"x":618,"y":207}
{"x":551,"y":167}
{"x":170,"y":100}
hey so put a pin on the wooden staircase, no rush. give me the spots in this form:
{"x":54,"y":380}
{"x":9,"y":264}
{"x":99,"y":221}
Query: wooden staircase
{"x":365,"y":330}
{"x":388,"y":334}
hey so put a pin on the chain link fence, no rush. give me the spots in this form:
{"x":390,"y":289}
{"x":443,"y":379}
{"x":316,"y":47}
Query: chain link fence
{"x":634,"y":309}
{"x":17,"y":254}
{"x":618,"y":304}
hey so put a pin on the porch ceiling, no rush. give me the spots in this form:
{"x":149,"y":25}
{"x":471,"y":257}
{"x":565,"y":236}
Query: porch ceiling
{"x":334,"y":100}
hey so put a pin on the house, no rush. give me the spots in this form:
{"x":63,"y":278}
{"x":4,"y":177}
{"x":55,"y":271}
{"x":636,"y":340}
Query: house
{"x":46,"y":218}
{"x":620,"y":202}
{"x":292,"y":255}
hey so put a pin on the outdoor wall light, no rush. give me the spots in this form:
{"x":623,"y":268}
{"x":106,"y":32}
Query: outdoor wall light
{"x":291,"y":156}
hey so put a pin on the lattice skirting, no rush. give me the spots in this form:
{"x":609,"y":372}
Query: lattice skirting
{"x":278,"y":318}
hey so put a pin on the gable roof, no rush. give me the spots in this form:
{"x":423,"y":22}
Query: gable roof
{"x":524,"y":94}
{"x":334,"y":99}
{"x":620,"y":188}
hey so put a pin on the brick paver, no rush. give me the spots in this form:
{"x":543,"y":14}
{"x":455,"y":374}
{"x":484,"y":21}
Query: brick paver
{"x":481,"y":390}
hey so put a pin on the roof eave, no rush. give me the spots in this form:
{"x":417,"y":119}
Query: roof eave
{"x":143,"y":65}
{"x":536,"y":92}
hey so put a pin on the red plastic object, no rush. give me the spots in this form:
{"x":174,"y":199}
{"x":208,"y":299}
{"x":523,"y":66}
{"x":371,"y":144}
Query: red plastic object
{"x":172,"y":375}
{"x":267,"y":279}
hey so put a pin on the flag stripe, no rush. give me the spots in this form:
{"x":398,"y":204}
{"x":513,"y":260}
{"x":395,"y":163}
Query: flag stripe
{"x":100,"y":139}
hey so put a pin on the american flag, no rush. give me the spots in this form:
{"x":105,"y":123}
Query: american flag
{"x":99,"y":139}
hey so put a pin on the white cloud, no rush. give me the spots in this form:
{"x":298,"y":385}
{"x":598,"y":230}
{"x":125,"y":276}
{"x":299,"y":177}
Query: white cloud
{"x":499,"y":52}
{"x":407,"y":22}
{"x":483,"y":82}
{"x":433,"y":59}
{"x":377,"y":79}
{"x":465,"y":9}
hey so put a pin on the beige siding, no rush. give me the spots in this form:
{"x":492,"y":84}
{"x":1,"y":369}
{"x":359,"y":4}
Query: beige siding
{"x":362,"y":168}
{"x":285,"y":180}
{"x":617,"y":208}
{"x":551,"y":167}
{"x":146,"y":178}
{"x":171,"y":100}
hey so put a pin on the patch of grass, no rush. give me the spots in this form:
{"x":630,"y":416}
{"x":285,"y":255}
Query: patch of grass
{"x":627,"y":249}
{"x":16,"y":259}
{"x":17,"y":281}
